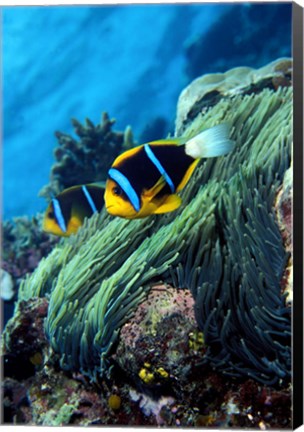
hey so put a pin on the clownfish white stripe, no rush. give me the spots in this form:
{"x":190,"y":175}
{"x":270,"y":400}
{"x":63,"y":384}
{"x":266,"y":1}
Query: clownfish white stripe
{"x":126,"y":186}
{"x":89,"y":199}
{"x":59,"y":215}
{"x":210,"y":143}
{"x":159,"y":166}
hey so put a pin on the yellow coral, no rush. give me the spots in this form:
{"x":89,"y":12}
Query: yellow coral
{"x":162,"y":372}
{"x":114,"y":402}
{"x":196,"y":340}
{"x":146,"y":376}
{"x":36,"y":359}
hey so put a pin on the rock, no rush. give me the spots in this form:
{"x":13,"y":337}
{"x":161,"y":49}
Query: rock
{"x":24,"y":340}
{"x":283,"y":210}
{"x":207,"y":90}
{"x":161,"y":345}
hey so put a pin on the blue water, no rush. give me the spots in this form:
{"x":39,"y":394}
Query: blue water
{"x":131,"y":61}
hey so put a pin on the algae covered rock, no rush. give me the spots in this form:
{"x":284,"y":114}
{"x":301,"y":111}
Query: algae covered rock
{"x":160,"y":347}
{"x":24,"y":339}
{"x":223,"y":244}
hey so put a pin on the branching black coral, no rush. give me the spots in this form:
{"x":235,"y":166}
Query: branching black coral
{"x":86,"y":160}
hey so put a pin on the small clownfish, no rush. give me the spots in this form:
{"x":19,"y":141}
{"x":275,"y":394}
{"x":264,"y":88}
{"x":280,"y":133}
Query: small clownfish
{"x":145,"y":180}
{"x":66,"y":212}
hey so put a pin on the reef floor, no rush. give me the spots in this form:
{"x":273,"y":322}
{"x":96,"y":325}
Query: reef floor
{"x":155,"y":378}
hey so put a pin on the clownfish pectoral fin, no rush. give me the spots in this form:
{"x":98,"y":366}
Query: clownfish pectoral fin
{"x":170,"y":204}
{"x":153,"y":191}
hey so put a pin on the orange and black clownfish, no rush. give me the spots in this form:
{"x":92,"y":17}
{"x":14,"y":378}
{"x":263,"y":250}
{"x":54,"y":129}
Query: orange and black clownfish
{"x":146,"y":179}
{"x":66,"y":212}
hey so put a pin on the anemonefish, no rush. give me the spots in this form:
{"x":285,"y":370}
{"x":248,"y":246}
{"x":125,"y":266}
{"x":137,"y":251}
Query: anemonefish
{"x":145,"y":180}
{"x":66,"y":212}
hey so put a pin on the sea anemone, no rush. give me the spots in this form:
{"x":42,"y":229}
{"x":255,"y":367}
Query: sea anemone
{"x":223,"y":243}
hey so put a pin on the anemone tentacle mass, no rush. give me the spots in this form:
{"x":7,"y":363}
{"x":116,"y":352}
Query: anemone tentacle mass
{"x":223,"y":243}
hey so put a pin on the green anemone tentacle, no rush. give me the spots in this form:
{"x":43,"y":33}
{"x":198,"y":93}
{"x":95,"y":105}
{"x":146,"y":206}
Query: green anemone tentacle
{"x":223,"y":243}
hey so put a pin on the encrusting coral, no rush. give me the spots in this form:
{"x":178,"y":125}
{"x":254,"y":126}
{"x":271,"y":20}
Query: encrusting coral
{"x":223,"y":244}
{"x":86,"y":160}
{"x":209,"y":89}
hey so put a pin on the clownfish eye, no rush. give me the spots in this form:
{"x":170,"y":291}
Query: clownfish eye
{"x":117,"y":190}
{"x":51,"y":214}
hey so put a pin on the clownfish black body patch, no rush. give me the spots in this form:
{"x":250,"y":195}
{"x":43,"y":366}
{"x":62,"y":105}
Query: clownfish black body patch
{"x":146,"y":179}
{"x":66,"y":212}
{"x":150,"y":160}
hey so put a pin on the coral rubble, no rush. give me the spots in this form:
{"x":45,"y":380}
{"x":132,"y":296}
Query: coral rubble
{"x":225,"y":246}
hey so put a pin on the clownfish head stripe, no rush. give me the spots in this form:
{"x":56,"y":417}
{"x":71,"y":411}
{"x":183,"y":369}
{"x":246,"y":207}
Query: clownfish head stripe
{"x":89,"y":199}
{"x":59,"y":215}
{"x":126,"y":186}
{"x":159,"y":166}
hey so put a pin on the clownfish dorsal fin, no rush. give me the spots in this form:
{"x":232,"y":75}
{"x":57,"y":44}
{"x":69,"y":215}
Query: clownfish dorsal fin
{"x":169,"y":141}
{"x":152,"y":192}
{"x":101,"y":184}
{"x":171,"y":203}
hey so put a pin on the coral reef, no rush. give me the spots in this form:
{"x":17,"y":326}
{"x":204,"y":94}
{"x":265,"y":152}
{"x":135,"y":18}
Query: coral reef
{"x":160,"y":346}
{"x":40,"y":393}
{"x":89,"y":305}
{"x":24,"y":339}
{"x":86,"y":160}
{"x":209,"y":89}
{"x":226,"y":247}
{"x":23,"y":245}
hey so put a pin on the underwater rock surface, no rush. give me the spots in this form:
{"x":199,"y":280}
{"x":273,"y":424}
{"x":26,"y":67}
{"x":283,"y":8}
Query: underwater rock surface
{"x":225,"y":246}
{"x":40,"y":393}
{"x":161,"y":344}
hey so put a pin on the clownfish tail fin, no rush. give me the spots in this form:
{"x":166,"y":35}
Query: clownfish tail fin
{"x":211,"y":142}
